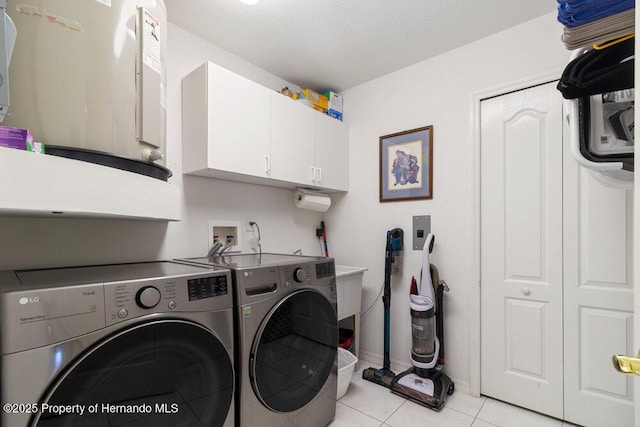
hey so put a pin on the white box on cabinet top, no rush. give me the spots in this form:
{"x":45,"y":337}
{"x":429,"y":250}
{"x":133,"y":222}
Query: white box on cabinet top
{"x":236,"y":129}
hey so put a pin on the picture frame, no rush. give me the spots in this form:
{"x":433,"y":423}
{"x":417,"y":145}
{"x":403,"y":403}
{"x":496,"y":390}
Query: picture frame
{"x":406,"y":165}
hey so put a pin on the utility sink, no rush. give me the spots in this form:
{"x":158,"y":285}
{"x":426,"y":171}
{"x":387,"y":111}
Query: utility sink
{"x":349,"y":290}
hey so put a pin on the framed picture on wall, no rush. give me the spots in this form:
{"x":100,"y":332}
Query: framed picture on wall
{"x":406,"y":165}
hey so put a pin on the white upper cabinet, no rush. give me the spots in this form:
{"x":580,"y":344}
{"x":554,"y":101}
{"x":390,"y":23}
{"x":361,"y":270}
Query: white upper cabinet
{"x":225,"y":124}
{"x":233,"y":128}
{"x":292,"y":141}
{"x":332,"y":153}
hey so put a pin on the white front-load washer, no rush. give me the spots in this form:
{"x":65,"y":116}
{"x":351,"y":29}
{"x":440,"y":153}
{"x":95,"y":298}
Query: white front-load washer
{"x":287,"y":338}
{"x":145,"y":344}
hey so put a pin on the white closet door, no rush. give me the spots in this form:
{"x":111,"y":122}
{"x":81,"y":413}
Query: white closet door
{"x":598,"y":290}
{"x":521,"y":249}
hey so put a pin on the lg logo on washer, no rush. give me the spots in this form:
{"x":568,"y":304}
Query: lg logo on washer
{"x":25,"y":300}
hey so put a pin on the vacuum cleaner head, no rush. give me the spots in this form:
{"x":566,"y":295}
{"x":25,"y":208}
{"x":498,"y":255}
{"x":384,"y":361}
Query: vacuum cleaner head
{"x":381,"y":377}
{"x":430,"y":391}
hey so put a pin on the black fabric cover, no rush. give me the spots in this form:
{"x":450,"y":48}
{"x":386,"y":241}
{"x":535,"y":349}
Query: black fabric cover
{"x":599,"y":71}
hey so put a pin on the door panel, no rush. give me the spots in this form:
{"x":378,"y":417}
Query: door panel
{"x":521,"y":249}
{"x":525,"y":353}
{"x":524,"y":205}
{"x":562,"y":242}
{"x":596,"y":350}
{"x":598,"y":291}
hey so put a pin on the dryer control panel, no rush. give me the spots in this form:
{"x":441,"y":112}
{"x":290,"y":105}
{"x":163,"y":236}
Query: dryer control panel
{"x":200,"y":292}
{"x":45,"y":306}
{"x":38,"y":317}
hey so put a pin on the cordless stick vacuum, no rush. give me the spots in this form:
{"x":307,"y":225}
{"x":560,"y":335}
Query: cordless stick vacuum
{"x":385,"y":375}
{"x":425,"y":383}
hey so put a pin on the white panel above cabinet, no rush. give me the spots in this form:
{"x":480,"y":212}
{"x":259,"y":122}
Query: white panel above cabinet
{"x":41,"y":185}
{"x":235,"y":129}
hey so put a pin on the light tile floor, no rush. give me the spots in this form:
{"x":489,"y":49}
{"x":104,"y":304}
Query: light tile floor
{"x":369,"y":405}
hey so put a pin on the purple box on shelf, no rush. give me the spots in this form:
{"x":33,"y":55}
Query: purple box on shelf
{"x":19,"y":139}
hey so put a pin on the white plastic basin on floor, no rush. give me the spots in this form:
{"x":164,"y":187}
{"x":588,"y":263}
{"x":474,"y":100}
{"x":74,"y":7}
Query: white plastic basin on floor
{"x":346,"y":365}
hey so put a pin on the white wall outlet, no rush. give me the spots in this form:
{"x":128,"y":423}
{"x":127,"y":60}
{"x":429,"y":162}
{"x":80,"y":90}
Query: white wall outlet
{"x":224,"y":232}
{"x":248,"y":221}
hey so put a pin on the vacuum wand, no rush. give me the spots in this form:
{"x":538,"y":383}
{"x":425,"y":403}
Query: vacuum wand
{"x":384,"y":376}
{"x":386,"y":301}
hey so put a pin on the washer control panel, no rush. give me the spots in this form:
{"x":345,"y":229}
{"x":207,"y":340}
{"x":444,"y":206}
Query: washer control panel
{"x":325,"y":269}
{"x":310,"y":274}
{"x":207,"y":291}
{"x":258,"y":282}
{"x":148,"y":297}
{"x":207,"y":287}
{"x":45,"y":306}
{"x":299,"y":275}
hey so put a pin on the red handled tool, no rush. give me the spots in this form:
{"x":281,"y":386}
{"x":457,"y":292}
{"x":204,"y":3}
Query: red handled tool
{"x":324,"y":238}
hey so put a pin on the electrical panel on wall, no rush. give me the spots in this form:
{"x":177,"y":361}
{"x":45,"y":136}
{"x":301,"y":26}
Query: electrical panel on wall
{"x":421,"y":228}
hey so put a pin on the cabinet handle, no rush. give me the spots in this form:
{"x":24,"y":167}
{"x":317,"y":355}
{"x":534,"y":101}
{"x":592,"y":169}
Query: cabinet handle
{"x":526,"y":290}
{"x":319,"y":175}
{"x":267,"y":159}
{"x":313,"y":174}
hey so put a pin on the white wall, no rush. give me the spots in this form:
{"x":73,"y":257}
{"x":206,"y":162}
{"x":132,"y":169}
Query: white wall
{"x":39,"y":243}
{"x":436,"y":92}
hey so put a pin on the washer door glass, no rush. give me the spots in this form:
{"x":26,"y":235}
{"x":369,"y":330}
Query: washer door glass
{"x":294,"y":351}
{"x":165,"y":373}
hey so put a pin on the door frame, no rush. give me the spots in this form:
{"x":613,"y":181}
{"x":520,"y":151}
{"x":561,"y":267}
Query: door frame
{"x":636,"y":244}
{"x":474,"y":295}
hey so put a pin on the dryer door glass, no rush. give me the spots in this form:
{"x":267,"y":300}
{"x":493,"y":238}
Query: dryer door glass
{"x":165,"y":373}
{"x":294,"y":351}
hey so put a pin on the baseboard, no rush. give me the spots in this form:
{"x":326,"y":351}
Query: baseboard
{"x":374,"y":359}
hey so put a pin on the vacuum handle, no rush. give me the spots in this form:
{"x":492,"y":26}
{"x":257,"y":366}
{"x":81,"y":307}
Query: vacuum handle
{"x":442,"y":287}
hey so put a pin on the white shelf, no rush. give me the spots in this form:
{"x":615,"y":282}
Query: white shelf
{"x":41,"y":185}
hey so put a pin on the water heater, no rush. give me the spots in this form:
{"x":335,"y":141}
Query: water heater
{"x":90,"y":76}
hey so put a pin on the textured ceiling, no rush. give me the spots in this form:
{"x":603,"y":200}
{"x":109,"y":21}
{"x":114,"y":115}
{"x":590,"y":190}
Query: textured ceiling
{"x":338,"y":44}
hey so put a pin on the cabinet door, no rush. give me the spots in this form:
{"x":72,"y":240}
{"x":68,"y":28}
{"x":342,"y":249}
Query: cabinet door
{"x":238,"y":123}
{"x":292,"y":141}
{"x":332,"y":153}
